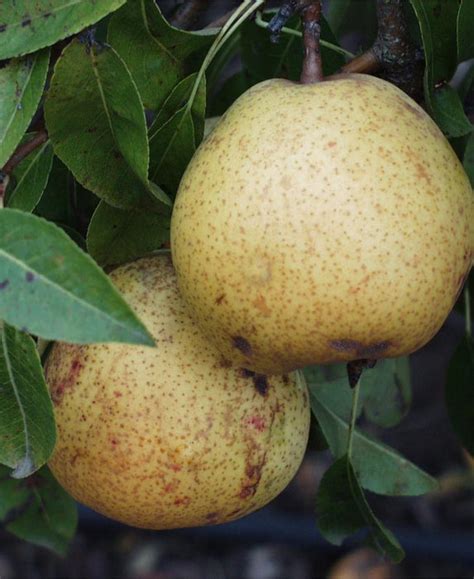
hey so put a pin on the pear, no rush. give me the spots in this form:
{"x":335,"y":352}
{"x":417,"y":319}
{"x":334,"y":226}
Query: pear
{"x":322,"y":223}
{"x":171,"y":436}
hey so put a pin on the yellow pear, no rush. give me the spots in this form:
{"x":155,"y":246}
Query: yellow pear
{"x":322,"y":223}
{"x":171,"y":436}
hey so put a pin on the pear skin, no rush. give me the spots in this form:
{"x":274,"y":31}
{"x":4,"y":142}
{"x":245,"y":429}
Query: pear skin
{"x":322,"y":223}
{"x":171,"y":436}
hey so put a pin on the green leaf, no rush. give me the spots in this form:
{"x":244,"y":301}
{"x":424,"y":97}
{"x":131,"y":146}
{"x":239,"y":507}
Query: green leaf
{"x":156,"y":53}
{"x":336,"y":12}
{"x":469,"y":159}
{"x":74,"y":235}
{"x":173,"y":144}
{"x":50,"y":517}
{"x":21,"y":86}
{"x":380,"y":468}
{"x":28,"y":25}
{"x":448,"y":112}
{"x":438,"y":23}
{"x":116,"y":236}
{"x":13,"y":492}
{"x":104,"y":143}
{"x":177,"y":100}
{"x":27,"y":427}
{"x":31,"y":177}
{"x":464,"y":30}
{"x":460,"y":393}
{"x":343,"y":509}
{"x":332,"y":388}
{"x":64,"y":201}
{"x":54,"y":290}
{"x":386,"y":392}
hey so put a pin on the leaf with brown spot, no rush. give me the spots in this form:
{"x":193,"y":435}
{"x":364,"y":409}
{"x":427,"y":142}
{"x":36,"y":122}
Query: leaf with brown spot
{"x":22,"y":83}
{"x":30,"y":25}
{"x":156,"y":53}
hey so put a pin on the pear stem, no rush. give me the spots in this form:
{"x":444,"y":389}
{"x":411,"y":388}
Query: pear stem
{"x":355,"y":404}
{"x":312,"y":64}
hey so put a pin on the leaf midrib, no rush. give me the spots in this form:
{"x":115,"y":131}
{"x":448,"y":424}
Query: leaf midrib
{"x":19,"y":99}
{"x":30,"y":168}
{"x":27,"y":447}
{"x":53,"y":10}
{"x":69,"y":294}
{"x":377,"y":445}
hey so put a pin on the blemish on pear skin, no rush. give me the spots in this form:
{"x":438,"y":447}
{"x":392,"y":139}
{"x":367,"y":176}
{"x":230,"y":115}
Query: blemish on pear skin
{"x":224,"y":363}
{"x":29,"y":276}
{"x":261,"y":305}
{"x":184,"y":501}
{"x":359,"y":349}
{"x":257,"y":422}
{"x":242,"y":344}
{"x":220,"y":299}
{"x":212,"y":518}
{"x":261,"y":384}
{"x":254,"y":474}
{"x":4,"y":284}
{"x":57,"y":391}
{"x":412,"y":109}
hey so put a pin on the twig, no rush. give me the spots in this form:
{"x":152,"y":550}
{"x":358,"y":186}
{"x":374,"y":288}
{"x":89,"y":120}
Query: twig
{"x":24,"y":150}
{"x":259,"y":21}
{"x":277,"y":23}
{"x":366,"y":62}
{"x":20,"y":153}
{"x":188,"y":13}
{"x":312,"y":64}
{"x":392,"y":51}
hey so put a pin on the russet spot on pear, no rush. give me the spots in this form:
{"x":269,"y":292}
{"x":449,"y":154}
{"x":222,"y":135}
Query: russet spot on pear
{"x":322,"y":223}
{"x":171,"y":436}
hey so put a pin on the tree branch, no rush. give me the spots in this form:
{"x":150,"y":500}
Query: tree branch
{"x":24,"y":150}
{"x":20,"y":153}
{"x":392,"y":51}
